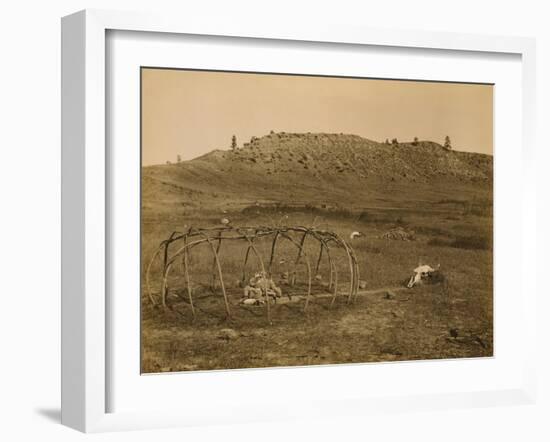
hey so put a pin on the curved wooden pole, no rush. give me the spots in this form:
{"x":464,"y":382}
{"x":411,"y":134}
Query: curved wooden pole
{"x":166,"y":245}
{"x":333,"y":279}
{"x":332,"y":268}
{"x":188,"y":246}
{"x":166,"y":270}
{"x":335,"y":286}
{"x":352,"y":268}
{"x":353,"y":273}
{"x":300,"y":251}
{"x":253,"y":248}
{"x":330,"y":265}
{"x":273,"y":244}
{"x":308,"y":265}
{"x":219,"y":239}
{"x":164,"y":285}
{"x":356,"y":274}
{"x":220,"y":274}
{"x":318,"y":235}
{"x":187,"y":279}
{"x":319,"y":259}
{"x":166,"y":266}
{"x":243,"y":279}
{"x":147,"y":277}
{"x":325,"y":246}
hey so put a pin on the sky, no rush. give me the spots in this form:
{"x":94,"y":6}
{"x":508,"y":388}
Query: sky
{"x":190,"y":113}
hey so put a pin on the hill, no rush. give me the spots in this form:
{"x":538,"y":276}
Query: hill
{"x":441,"y":199}
{"x":318,"y":168}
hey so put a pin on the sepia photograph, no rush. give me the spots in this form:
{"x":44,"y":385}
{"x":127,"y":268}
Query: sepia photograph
{"x":303,"y":220}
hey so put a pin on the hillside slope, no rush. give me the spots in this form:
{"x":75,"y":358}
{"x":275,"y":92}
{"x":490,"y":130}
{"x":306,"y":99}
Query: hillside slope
{"x":332,"y":168}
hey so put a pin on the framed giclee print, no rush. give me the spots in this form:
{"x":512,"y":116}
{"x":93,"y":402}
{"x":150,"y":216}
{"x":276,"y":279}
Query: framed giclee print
{"x":272,"y":215}
{"x":312,"y":244}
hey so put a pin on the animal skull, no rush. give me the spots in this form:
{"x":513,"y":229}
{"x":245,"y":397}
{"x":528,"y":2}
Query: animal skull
{"x":420,"y":272}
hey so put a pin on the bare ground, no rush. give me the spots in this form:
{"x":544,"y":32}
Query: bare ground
{"x":382,"y":325}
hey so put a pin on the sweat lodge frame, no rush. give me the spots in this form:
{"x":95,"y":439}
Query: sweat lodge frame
{"x":85,"y":311}
{"x":210,"y":236}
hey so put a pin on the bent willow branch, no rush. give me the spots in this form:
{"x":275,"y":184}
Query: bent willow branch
{"x":179,"y":245}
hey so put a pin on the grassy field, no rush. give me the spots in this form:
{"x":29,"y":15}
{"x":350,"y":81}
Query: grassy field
{"x":449,"y":320}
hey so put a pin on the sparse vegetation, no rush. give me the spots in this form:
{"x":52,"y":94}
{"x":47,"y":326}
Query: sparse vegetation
{"x":472,"y":242}
{"x":449,"y":208}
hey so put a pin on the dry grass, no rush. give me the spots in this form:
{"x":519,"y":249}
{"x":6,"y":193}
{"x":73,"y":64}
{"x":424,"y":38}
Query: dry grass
{"x":350,"y":184}
{"x":415,"y":324}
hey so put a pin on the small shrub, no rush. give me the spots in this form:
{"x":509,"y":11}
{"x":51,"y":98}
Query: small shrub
{"x":473,"y":242}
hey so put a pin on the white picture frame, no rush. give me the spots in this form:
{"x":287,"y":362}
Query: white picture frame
{"x":85,"y":310}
